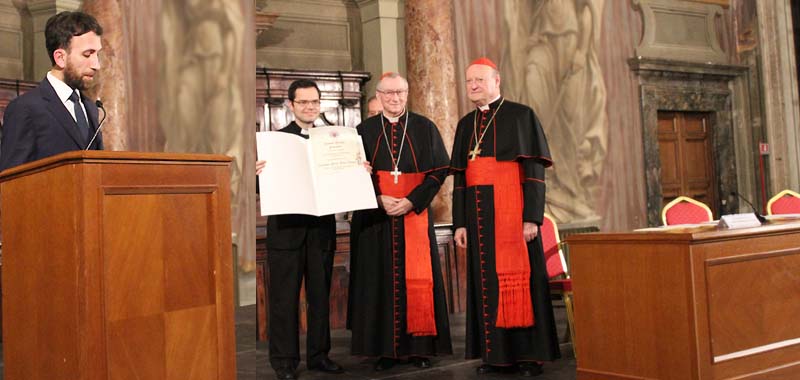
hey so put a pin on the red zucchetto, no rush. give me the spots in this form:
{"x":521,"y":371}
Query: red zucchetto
{"x":387,"y":74}
{"x":484,"y":61}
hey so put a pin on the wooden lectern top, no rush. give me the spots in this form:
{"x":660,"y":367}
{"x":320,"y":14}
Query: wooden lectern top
{"x":100,"y":156}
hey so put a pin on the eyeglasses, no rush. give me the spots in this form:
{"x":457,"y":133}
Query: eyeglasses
{"x":306,"y":103}
{"x":391,"y":93}
{"x":478,"y":81}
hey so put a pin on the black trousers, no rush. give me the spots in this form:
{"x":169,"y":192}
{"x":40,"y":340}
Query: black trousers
{"x":287,"y":268}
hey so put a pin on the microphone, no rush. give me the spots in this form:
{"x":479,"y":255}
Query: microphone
{"x":99,"y":105}
{"x":760,"y":217}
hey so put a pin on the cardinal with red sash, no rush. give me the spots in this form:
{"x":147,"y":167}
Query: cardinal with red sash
{"x":396,"y":305}
{"x":499,"y":157}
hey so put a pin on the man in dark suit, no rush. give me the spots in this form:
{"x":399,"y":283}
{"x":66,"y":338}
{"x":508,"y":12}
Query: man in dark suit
{"x":56,"y":117}
{"x":300,"y":246}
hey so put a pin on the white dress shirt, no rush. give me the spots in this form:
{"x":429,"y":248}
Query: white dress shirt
{"x":64,"y":92}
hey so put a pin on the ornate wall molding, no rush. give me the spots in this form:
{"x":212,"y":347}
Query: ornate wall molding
{"x":310,"y":35}
{"x":680,"y":31}
{"x":264,"y":21}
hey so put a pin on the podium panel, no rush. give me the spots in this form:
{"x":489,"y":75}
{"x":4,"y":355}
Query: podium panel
{"x":744,"y":297}
{"x":688,"y":304}
{"x":117,"y":265}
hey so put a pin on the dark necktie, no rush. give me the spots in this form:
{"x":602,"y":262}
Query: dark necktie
{"x":80,"y":116}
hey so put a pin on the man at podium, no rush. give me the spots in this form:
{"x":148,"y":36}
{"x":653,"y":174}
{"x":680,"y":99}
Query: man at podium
{"x":57,"y":116}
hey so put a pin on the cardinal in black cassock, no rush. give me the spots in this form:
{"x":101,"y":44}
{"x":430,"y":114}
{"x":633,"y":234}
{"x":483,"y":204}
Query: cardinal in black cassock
{"x":396,"y":304}
{"x":498,"y":162}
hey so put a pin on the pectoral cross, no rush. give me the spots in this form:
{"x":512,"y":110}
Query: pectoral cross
{"x":395,"y":173}
{"x":474,"y":153}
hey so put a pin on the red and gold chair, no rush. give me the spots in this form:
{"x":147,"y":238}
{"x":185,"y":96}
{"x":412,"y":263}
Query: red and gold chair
{"x":785,"y":202}
{"x":557,"y":272}
{"x":685,"y":210}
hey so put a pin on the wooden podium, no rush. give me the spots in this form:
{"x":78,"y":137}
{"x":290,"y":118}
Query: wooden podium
{"x":117,"y":265}
{"x":688,"y":304}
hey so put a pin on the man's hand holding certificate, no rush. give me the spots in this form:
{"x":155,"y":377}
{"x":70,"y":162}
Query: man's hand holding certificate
{"x":319,"y":176}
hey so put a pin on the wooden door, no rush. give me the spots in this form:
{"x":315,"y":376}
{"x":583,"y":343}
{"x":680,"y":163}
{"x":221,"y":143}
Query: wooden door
{"x":687,"y":165}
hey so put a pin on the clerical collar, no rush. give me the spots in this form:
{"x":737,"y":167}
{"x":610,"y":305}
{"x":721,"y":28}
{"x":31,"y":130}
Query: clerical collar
{"x":394,"y":119}
{"x":488,"y":105}
{"x":303,"y":131}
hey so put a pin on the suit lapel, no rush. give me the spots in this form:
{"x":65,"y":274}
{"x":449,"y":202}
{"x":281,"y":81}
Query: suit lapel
{"x":60,"y":113}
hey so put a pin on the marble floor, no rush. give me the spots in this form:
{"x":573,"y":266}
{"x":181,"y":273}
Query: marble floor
{"x":445,"y":368}
{"x":245,"y":343}
{"x":251,"y":357}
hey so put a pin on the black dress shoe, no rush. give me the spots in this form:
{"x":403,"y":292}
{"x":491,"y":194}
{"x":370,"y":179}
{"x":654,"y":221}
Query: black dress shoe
{"x":421,"y":362}
{"x":530,"y":369}
{"x":484,"y":369}
{"x":326,"y":365}
{"x":384,"y":363}
{"x":283,"y":373}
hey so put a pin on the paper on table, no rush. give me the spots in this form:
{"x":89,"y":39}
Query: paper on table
{"x":677,"y":226}
{"x":319,"y":176}
{"x":782,"y":216}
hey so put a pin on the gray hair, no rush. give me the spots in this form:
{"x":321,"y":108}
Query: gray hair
{"x":390,"y":75}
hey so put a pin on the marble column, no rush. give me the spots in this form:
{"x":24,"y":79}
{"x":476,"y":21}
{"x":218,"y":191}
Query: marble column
{"x":779,"y":86}
{"x":382,"y":23}
{"x":430,"y":52}
{"x":112,"y":81}
{"x":40,"y":11}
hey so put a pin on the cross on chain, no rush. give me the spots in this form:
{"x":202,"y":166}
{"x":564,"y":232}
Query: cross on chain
{"x":395,"y":173}
{"x":474,"y":153}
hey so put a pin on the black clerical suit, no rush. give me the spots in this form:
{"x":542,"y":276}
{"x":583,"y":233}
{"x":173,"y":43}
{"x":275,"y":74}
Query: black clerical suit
{"x":511,"y":134}
{"x":37,"y":125}
{"x":378,"y":302}
{"x":299,"y":246}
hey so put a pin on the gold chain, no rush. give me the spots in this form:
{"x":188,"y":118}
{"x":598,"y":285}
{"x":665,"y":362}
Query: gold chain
{"x":475,"y":125}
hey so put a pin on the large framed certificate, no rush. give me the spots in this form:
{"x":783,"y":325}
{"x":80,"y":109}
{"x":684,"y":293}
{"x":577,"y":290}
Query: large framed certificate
{"x":319,"y":176}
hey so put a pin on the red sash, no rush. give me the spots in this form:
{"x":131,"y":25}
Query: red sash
{"x":514,"y":308}
{"x":420,"y":320}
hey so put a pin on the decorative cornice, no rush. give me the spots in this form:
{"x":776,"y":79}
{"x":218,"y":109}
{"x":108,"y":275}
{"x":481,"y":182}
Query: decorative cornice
{"x":265,"y":21}
{"x":641,"y":64}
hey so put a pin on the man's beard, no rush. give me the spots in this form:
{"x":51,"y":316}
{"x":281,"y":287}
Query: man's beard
{"x":73,"y":79}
